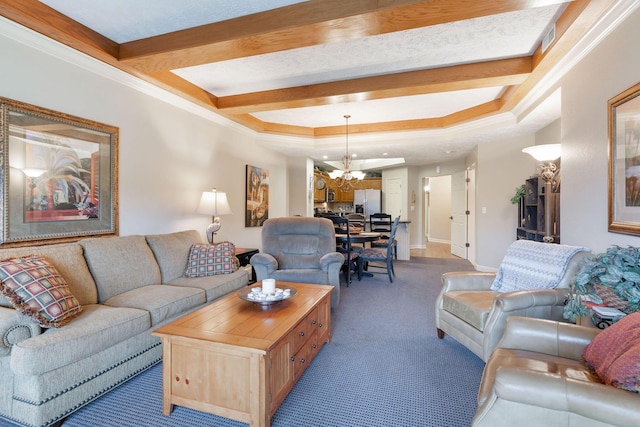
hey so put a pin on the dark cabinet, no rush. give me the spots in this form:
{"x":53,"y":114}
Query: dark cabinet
{"x":531,"y":211}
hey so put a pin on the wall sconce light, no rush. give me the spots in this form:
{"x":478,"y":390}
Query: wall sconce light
{"x":546,"y":154}
{"x":213,"y":203}
{"x":33,"y":172}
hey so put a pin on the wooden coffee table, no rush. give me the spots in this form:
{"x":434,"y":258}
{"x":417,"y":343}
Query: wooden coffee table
{"x":236,"y":359}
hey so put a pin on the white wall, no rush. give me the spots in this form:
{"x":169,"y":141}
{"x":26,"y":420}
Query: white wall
{"x":609,"y":69}
{"x":168,"y":156}
{"x":501,"y":167}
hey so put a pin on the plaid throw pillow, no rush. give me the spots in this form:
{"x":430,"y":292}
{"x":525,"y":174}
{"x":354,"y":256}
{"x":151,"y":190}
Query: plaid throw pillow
{"x":36,"y":289}
{"x":208,"y":260}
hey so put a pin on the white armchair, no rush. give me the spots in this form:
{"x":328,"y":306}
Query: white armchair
{"x":474,"y":315}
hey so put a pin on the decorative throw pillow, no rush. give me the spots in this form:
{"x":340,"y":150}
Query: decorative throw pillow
{"x":208,"y":260}
{"x":36,"y":289}
{"x":614,"y":354}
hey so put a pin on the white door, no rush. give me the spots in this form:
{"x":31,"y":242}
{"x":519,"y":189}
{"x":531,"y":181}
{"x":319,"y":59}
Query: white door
{"x":393,"y":197}
{"x":471,"y":218}
{"x":458,"y":214}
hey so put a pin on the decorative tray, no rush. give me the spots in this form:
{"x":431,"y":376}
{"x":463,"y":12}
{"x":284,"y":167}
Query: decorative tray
{"x":256,"y":296}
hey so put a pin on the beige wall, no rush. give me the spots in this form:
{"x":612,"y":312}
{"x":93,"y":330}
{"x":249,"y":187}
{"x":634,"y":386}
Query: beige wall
{"x":168,"y":155}
{"x":610,"y":68}
{"x":501,"y":167}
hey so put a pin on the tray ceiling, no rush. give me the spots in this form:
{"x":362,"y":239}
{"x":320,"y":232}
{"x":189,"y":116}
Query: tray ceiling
{"x":295,"y":68}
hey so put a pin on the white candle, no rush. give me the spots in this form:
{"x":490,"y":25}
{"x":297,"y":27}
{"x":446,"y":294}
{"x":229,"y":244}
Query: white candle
{"x":268,"y":286}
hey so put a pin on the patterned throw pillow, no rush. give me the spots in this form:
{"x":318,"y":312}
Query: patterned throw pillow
{"x":614,"y":353}
{"x":208,"y":260}
{"x":36,"y":289}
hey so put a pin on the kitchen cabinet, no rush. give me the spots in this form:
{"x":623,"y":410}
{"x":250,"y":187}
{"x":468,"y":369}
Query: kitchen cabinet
{"x":320,"y":181}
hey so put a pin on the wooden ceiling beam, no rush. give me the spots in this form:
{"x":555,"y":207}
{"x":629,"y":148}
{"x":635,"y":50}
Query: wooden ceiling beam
{"x":302,"y":25}
{"x":505,"y":72}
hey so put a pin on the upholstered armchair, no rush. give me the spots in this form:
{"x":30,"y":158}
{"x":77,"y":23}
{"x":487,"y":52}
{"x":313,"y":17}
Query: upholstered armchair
{"x":300,"y":249}
{"x":532,"y":281}
{"x":537,"y":376}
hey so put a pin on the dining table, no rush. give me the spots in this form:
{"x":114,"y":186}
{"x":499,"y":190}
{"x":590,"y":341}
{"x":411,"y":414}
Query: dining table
{"x":362,"y":237}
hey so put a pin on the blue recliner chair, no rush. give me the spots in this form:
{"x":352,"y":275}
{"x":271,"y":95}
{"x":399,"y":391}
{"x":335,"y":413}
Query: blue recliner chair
{"x":300,"y":249}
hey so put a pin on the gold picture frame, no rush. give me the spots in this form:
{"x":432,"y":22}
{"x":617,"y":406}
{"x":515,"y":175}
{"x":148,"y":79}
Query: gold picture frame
{"x":624,"y":162}
{"x":59,"y":176}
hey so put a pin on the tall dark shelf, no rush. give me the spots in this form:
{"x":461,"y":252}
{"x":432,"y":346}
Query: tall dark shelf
{"x":531,"y":220}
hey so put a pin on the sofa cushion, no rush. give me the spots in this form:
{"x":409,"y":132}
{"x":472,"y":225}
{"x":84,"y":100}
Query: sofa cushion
{"x":120,"y":264}
{"x":171,"y":251}
{"x":68,"y":260}
{"x":161,"y":301}
{"x":471,"y":306}
{"x":614,"y":354}
{"x":95,"y":329}
{"x":215,"y":286}
{"x":37,"y":290}
{"x":529,"y":265}
{"x":210,"y":260}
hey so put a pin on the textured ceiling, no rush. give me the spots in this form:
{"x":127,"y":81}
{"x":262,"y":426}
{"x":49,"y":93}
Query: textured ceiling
{"x":423,"y":80}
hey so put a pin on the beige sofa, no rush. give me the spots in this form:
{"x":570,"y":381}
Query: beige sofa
{"x":128,"y":286}
{"x":537,"y":377}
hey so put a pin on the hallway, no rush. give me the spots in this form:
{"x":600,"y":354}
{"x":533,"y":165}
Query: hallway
{"x":434,"y":250}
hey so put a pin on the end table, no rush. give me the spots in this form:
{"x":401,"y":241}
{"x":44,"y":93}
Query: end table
{"x":244,"y":256}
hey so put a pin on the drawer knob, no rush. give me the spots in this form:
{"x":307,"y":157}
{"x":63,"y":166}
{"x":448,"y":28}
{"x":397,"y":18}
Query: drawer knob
{"x":177,"y":379}
{"x":302,"y":333}
{"x":293,"y":359}
{"x":320,"y":325}
{"x":302,"y":360}
{"x":314,"y":345}
{"x":313,"y":322}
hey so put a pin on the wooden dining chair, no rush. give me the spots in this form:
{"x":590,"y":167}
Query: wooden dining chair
{"x":351,"y":253}
{"x":381,"y":223}
{"x":379,"y":258}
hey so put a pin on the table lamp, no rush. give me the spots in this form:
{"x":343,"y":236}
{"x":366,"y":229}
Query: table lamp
{"x":213,"y":203}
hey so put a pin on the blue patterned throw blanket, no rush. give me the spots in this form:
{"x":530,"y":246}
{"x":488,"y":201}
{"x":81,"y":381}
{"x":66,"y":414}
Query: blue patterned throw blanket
{"x":529,"y":265}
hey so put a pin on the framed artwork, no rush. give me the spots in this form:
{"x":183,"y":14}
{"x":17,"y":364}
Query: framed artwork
{"x":257,"y":207}
{"x":59,"y":176}
{"x":624,"y":162}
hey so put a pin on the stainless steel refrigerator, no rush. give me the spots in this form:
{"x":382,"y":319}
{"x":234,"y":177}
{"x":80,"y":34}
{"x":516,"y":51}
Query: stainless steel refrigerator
{"x":367,"y":202}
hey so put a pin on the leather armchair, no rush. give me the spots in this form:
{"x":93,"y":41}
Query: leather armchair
{"x":474,"y":315}
{"x":536,"y":377}
{"x":300,"y":249}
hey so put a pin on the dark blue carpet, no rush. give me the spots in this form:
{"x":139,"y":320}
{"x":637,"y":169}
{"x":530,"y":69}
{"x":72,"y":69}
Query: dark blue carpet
{"x":385,"y":366}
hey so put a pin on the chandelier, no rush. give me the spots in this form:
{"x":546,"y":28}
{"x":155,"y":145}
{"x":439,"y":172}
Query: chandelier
{"x":344,"y":178}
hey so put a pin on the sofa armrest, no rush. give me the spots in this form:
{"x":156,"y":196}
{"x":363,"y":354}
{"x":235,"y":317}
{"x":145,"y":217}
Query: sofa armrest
{"x":592,"y":400}
{"x":547,"y":336}
{"x":542,"y":304}
{"x":14,"y":328}
{"x":331,"y":258}
{"x":467,"y":281}
{"x":264,"y":265}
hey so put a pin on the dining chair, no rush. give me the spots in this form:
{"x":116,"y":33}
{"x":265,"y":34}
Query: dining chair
{"x":357,"y":220}
{"x":381,"y":222}
{"x":351,"y":253}
{"x":380,"y":258}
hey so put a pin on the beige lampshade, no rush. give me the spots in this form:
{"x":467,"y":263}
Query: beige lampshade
{"x":214,"y":203}
{"x":544,"y":152}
